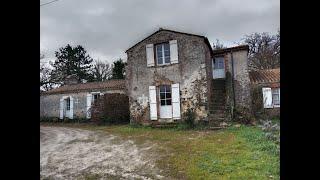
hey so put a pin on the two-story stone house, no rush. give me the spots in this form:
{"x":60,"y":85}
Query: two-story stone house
{"x":169,"y":72}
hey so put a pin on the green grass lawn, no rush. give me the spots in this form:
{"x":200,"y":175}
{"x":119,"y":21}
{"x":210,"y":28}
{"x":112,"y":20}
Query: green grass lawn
{"x":233,"y":153}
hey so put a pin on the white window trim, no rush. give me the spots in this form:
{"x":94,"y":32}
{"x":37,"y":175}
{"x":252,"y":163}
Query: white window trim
{"x":163,"y":57}
{"x":279,"y":98}
{"x":165,"y":92}
{"x":92,"y":94}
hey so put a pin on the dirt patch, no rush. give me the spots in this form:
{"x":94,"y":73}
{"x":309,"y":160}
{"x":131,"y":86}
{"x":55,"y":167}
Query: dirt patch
{"x":68,"y":153}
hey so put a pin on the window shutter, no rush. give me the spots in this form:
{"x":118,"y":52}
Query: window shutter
{"x":71,"y":108}
{"x":153,"y":102}
{"x":61,"y":108}
{"x":267,"y":97}
{"x":173,"y":51}
{"x":176,"y":101}
{"x":150,"y":55}
{"x":89,"y":100}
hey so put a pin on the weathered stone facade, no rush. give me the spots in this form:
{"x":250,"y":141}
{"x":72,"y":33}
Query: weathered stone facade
{"x":240,"y":77}
{"x":190,"y":73}
{"x":237,"y":76}
{"x":50,"y":103}
{"x":264,"y":79}
{"x":50,"y":100}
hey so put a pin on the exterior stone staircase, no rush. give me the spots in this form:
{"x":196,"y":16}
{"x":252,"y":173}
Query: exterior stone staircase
{"x":217,"y":107}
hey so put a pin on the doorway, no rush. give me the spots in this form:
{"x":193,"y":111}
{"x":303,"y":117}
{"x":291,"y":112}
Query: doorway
{"x":165,"y":100}
{"x":218,"y":71}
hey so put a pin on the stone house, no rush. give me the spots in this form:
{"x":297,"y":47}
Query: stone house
{"x":265,"y":88}
{"x":74,"y":100}
{"x":170,"y":72}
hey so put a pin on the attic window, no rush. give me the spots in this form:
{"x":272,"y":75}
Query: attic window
{"x":163,"y":53}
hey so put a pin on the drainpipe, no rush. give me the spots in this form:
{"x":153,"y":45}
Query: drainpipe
{"x":232,"y":66}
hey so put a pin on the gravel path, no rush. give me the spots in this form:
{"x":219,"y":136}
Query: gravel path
{"x":69,"y":153}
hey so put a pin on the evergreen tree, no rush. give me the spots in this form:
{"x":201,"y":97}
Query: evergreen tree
{"x":71,"y":61}
{"x":118,"y":69}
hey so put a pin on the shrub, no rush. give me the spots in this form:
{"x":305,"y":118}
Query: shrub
{"x":111,"y":109}
{"x":189,"y":118}
{"x":243,"y":115}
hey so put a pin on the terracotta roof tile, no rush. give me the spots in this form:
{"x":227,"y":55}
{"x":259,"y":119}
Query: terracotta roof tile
{"x":115,"y":84}
{"x":265,"y":76}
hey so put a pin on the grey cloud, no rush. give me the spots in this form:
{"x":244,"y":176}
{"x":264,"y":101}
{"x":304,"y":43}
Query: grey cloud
{"x":107,"y":28}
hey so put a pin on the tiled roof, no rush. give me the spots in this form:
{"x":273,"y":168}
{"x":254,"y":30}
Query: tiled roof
{"x":235,"y":48}
{"x":162,"y":29}
{"x":115,"y":84}
{"x":265,"y":76}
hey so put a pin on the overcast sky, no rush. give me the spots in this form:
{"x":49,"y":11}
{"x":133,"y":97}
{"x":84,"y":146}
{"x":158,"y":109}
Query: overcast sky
{"x":106,"y":28}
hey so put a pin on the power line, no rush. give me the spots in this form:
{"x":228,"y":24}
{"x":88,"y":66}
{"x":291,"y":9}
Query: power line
{"x":48,"y":2}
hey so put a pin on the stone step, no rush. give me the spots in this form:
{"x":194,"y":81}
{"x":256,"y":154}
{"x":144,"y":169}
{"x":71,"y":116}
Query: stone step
{"x":218,"y":81}
{"x":217,"y":108}
{"x":164,"y":125}
{"x":217,"y":103}
{"x":216,"y":120}
{"x":218,"y":88}
{"x":220,"y":115}
{"x":217,"y":111}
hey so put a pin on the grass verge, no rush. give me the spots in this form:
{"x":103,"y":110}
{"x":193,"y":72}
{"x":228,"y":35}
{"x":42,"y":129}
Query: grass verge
{"x":232,"y":153}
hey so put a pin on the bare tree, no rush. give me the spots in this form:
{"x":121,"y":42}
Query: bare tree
{"x":45,"y":76}
{"x":101,"y":71}
{"x":218,"y":45}
{"x":264,"y":50}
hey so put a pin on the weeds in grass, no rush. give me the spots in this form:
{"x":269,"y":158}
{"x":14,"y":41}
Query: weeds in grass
{"x":233,"y":153}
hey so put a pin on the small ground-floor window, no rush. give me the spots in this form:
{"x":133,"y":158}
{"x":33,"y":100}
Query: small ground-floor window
{"x":67,"y":104}
{"x":276,"y":97}
{"x":271,"y":97}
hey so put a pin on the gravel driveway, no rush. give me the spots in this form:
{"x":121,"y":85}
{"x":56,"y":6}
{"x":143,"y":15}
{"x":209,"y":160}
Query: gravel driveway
{"x":69,"y":153}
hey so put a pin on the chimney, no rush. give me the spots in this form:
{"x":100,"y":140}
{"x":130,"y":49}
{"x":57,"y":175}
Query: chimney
{"x":71,"y":79}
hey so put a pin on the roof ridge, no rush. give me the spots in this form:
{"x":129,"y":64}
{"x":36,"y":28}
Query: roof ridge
{"x":165,"y":29}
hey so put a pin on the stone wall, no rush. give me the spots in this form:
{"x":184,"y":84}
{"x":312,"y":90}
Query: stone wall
{"x":190,"y":73}
{"x":50,"y":103}
{"x":257,"y":102}
{"x":241,"y":77}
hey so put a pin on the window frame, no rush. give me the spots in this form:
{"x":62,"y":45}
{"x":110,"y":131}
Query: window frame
{"x":167,"y":87}
{"x":278,"y":93}
{"x":68,"y":102}
{"x":215,"y":62}
{"x":93,"y":94}
{"x":162,"y":52}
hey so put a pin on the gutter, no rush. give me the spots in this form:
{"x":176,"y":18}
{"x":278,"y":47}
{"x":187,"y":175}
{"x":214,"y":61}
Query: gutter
{"x":234,"y":98}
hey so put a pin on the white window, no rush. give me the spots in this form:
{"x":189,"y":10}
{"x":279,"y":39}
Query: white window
{"x":276,"y":97}
{"x":163,"y":53}
{"x":219,"y":63}
{"x":68,"y":104}
{"x":95,"y":97}
{"x":271,"y":97}
{"x":165,"y":95}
